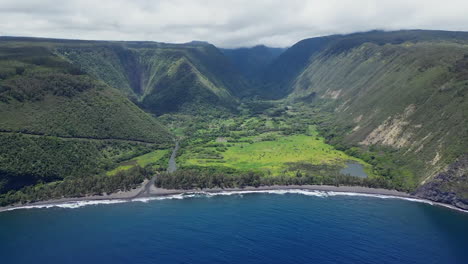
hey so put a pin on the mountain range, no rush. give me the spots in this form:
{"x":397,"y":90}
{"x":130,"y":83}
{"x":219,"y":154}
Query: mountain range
{"x":70,"y":108}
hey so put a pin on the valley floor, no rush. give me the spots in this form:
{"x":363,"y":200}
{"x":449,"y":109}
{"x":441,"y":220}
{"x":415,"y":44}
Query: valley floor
{"x":281,"y":150}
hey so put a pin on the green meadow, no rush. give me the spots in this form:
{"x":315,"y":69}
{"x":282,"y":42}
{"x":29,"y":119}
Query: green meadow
{"x":270,"y":153}
{"x":155,"y":158}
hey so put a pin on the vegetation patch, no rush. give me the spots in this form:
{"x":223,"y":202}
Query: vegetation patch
{"x":269,"y":156}
{"x":157,"y":159}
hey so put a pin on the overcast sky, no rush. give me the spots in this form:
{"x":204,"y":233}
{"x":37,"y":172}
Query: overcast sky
{"x":225,"y":23}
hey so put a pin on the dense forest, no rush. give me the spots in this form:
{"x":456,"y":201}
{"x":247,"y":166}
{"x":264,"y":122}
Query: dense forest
{"x":93,"y":117}
{"x":58,"y":123}
{"x":78,"y":187}
{"x":199,"y":179}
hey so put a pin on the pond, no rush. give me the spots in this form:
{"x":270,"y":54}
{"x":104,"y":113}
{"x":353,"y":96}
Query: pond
{"x":354,"y":169}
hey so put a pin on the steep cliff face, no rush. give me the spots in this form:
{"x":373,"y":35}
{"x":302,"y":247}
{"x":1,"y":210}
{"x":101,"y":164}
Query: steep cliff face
{"x":449,"y":186}
{"x":404,"y":91}
{"x":401,"y":93}
{"x":410,"y":97}
{"x":43,"y":94}
{"x":161,"y":77}
{"x":58,"y":122}
{"x":252,"y":64}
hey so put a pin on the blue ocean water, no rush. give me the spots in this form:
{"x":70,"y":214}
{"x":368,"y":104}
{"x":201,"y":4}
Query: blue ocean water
{"x":249,"y":228}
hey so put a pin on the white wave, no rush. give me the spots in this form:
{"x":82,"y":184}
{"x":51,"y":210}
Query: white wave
{"x":158,"y":198}
{"x":315,"y":193}
{"x":381,"y":196}
{"x":281,"y":192}
{"x":452,"y":207}
{"x":321,"y":194}
{"x":69,"y":205}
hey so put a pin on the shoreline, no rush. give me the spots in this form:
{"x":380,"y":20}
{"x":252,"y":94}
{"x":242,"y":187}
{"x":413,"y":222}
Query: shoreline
{"x":153,"y":192}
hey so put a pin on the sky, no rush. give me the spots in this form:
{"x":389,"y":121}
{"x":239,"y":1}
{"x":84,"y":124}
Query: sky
{"x":225,"y":23}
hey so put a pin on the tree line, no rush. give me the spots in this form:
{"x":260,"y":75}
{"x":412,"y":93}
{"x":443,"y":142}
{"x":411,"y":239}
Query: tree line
{"x":79,"y":187}
{"x":187,"y":179}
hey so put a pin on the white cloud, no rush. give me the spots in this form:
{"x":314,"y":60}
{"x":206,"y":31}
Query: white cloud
{"x":224,"y":23}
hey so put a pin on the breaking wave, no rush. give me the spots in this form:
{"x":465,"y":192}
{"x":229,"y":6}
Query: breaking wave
{"x":315,"y":193}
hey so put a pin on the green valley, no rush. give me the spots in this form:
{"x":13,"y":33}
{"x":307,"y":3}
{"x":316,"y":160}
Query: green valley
{"x":97,"y":117}
{"x":270,"y":153}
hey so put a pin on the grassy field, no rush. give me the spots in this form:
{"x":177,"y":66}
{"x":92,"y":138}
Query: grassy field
{"x":269,"y":152}
{"x":156,"y":158}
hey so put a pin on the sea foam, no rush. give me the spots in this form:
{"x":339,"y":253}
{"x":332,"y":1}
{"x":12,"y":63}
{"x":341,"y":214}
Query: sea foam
{"x":69,"y":205}
{"x":314,"y":193}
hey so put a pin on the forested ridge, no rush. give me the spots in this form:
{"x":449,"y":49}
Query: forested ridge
{"x":59,"y":123}
{"x":82,"y":112}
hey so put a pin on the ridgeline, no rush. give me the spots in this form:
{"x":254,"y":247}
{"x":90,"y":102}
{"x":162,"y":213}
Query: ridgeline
{"x":92,"y":117}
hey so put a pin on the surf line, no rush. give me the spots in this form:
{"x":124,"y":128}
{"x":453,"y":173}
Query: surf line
{"x":196,"y":194}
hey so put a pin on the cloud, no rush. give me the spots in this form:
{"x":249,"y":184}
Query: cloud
{"x":224,"y":23}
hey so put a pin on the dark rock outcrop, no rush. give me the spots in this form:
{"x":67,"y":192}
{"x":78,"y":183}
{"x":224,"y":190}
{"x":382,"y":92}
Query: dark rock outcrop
{"x":448,"y":186}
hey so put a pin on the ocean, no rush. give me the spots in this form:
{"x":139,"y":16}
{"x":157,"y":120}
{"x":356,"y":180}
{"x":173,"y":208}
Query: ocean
{"x":275,"y":227}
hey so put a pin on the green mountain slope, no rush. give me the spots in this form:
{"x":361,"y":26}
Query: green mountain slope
{"x":252,"y":62}
{"x":57,"y":122}
{"x":396,"y":100}
{"x":161,"y":77}
{"x":279,"y":77}
{"x":402,"y":92}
